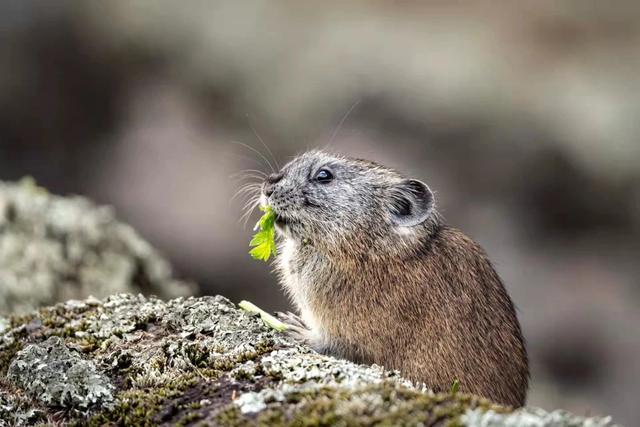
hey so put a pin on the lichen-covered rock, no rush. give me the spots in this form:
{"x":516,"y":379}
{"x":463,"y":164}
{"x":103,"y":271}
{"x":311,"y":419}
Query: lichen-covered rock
{"x":202,"y":361}
{"x":17,"y":411}
{"x":58,"y":377}
{"x":531,"y":417}
{"x":55,"y":248}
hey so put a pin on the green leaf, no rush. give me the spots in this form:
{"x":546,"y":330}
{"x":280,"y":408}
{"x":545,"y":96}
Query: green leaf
{"x":268,"y":220}
{"x":455,"y":386}
{"x":260,"y":238}
{"x":264,"y":241}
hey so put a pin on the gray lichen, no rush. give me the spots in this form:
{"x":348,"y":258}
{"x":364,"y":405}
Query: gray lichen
{"x":57,"y":377}
{"x":202,"y":360}
{"x":15,"y":411}
{"x":54,"y":248}
{"x":531,"y":417}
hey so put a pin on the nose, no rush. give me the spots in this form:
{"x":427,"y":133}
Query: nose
{"x":274,"y":177}
{"x":271,"y":180}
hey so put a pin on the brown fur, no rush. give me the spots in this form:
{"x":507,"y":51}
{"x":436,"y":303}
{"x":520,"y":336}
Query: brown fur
{"x":426,"y":302}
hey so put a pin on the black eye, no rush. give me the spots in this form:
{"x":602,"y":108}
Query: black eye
{"x":324,"y":176}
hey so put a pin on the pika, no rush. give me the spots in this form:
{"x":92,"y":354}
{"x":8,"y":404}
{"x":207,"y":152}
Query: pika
{"x":378,"y":277}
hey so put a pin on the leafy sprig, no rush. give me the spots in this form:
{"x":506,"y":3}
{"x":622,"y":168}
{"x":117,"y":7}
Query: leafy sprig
{"x":264,"y":241}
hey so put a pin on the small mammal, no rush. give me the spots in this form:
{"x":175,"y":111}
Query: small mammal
{"x":378,"y":277}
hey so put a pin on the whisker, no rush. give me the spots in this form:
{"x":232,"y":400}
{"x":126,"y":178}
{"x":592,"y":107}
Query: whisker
{"x":255,"y":198}
{"x":246,"y":212}
{"x":255,"y":132}
{"x":252,"y":171}
{"x":247,"y":189}
{"x":250,"y":186}
{"x":251,"y":207}
{"x":262,"y":156}
{"x":256,"y":178}
{"x":247,"y":208}
{"x":344,"y":118}
{"x":244,"y":197}
{"x":227,"y":154}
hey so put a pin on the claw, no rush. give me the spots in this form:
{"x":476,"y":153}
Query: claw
{"x":292,"y":319}
{"x":296,"y":328}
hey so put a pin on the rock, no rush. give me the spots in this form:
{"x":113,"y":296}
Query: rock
{"x":56,"y":376}
{"x":16,"y":411}
{"x":531,"y":417}
{"x":133,"y":360}
{"x":54,"y":248}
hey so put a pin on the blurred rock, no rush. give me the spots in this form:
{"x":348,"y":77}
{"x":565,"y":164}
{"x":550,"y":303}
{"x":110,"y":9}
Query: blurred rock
{"x":531,"y":417}
{"x":54,"y":248}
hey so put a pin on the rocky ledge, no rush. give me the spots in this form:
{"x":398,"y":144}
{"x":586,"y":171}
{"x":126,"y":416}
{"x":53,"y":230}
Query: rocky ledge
{"x":132,"y":360}
{"x":54,"y":248}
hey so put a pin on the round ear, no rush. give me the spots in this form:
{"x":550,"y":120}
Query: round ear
{"x":411,"y":203}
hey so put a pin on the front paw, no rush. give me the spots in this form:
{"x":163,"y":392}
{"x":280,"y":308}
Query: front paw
{"x":296,"y":328}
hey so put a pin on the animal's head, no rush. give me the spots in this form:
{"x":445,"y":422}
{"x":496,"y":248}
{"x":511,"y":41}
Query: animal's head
{"x":339,"y":203}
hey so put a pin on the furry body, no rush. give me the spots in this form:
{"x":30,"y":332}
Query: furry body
{"x":378,"y":277}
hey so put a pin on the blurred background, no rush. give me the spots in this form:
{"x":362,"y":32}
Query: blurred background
{"x":524,"y":118}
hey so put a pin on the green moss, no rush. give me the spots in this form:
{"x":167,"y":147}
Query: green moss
{"x":197,"y":354}
{"x":227,"y":363}
{"x":62,"y":321}
{"x":231,"y":416}
{"x":264,"y":347}
{"x":208,"y":373}
{"x":140,"y":407}
{"x":7,"y":353}
{"x":87,"y":344}
{"x":19,"y":320}
{"x":189,"y":418}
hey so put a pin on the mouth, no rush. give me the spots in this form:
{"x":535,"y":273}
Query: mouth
{"x":282,"y":221}
{"x":285,"y":224}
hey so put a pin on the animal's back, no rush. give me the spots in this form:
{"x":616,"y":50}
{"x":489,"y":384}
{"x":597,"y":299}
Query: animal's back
{"x":468,"y":326}
{"x":440,"y":315}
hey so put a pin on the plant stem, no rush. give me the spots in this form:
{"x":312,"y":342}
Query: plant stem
{"x":268,"y":319}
